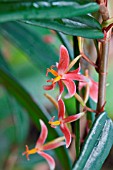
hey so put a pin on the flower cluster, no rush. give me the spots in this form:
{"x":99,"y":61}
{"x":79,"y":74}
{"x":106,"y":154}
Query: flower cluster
{"x":62,"y":76}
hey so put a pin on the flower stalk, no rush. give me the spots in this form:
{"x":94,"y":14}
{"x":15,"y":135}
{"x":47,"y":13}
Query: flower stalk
{"x":102,"y":67}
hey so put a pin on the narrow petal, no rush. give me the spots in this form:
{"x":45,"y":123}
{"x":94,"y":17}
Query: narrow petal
{"x":67,"y":134}
{"x":64,"y":60}
{"x":77,"y":70}
{"x":71,"y":87}
{"x":61,"y":109}
{"x":43,"y":135}
{"x":61,"y":89}
{"x":94,"y":91}
{"x":49,"y":87}
{"x":73,"y":76}
{"x":82,"y":84}
{"x":54,"y":144}
{"x":73,"y":118}
{"x":49,"y":159}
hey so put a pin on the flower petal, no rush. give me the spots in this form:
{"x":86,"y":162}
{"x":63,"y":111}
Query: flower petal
{"x":63,"y":61}
{"x":73,"y":76}
{"x":61,"y":109}
{"x":43,"y":134}
{"x":61,"y":89}
{"x":54,"y":144}
{"x":76,"y":71}
{"x":49,"y":159}
{"x":66,"y":133}
{"x":71,"y":87}
{"x":73,"y":118}
{"x":94,"y":91}
{"x":82,"y":84}
{"x":49,"y":87}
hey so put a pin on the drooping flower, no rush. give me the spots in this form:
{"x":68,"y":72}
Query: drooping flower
{"x":40,"y":147}
{"x":62,"y":120}
{"x":62,"y":74}
{"x":92,"y":87}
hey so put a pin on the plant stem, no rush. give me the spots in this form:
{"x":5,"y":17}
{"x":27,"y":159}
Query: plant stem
{"x":77,"y":123}
{"x":103,"y":62}
{"x":102,"y":75}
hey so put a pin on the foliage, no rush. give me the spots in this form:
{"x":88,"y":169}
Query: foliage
{"x":31,"y":33}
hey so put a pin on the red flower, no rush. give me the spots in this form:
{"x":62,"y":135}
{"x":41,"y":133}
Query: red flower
{"x":92,"y":86}
{"x":63,"y":76}
{"x":40,"y":146}
{"x":62,"y":121}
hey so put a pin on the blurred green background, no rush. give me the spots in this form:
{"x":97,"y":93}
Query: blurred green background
{"x":27,"y":51}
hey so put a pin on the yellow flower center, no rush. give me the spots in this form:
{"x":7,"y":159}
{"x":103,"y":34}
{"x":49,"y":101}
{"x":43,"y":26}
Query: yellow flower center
{"x":57,"y":77}
{"x":32,"y":151}
{"x":55,"y":123}
{"x":29,"y":152}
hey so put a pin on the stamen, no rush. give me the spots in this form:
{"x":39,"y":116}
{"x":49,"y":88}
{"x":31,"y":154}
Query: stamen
{"x":29,"y":152}
{"x":55,"y":123}
{"x":26,"y":152}
{"x":51,"y":71}
{"x":56,"y":79}
{"x":33,"y":151}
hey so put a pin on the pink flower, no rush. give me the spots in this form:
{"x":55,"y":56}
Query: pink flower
{"x":63,"y":76}
{"x":92,"y":86}
{"x":62,"y":121}
{"x":40,"y":146}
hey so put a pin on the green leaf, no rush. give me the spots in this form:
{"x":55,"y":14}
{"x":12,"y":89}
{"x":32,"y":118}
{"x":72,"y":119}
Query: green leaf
{"x":66,"y":43}
{"x":3,"y":62}
{"x":97,"y":145}
{"x":11,"y":11}
{"x":19,"y":115}
{"x":70,"y":27}
{"x":84,"y":1}
{"x":88,"y":20}
{"x":31,"y":43}
{"x":102,"y":148}
{"x":35,"y":111}
{"x":21,"y":122}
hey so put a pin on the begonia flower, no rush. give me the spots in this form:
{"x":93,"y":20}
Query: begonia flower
{"x":63,"y":76}
{"x":40,"y":147}
{"x":93,"y":87}
{"x":62,"y":120}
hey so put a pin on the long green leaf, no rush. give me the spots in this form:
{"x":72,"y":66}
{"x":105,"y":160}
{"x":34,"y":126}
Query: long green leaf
{"x":97,"y":144}
{"x":39,"y":52}
{"x":19,"y":115}
{"x":88,"y":20}
{"x":35,"y":112}
{"x":21,"y":120}
{"x":102,"y":148}
{"x":70,"y":27}
{"x":11,"y":11}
